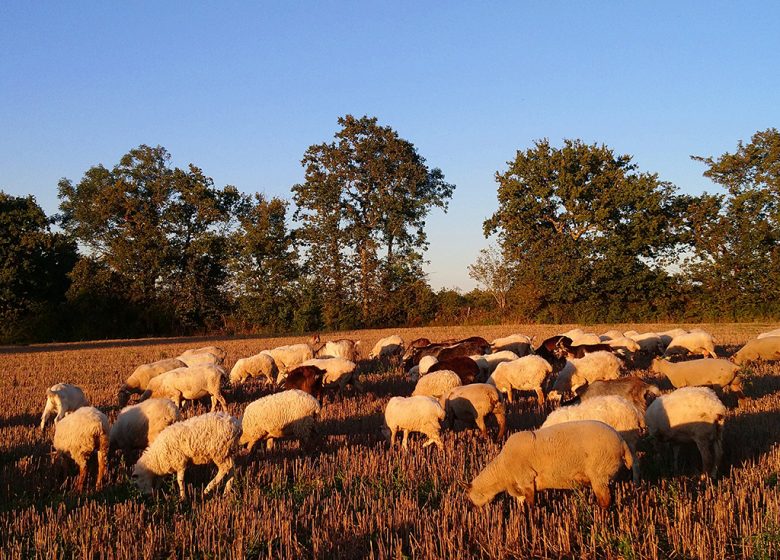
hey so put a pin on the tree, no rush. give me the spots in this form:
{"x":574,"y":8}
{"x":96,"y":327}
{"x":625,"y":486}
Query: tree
{"x":362,"y":210}
{"x":493,"y":274}
{"x":584,"y":232}
{"x":34,"y":263}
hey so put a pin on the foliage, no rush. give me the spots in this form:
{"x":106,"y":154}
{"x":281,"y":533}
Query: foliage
{"x":491,"y":272}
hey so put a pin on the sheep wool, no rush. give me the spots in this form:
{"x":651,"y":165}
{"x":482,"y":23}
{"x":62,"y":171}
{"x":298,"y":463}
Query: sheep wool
{"x":767,"y":349}
{"x":581,"y":371}
{"x":436,"y":384}
{"x":61,"y":399}
{"x":470,"y":404}
{"x":139,"y":379}
{"x":78,"y":436}
{"x":414,"y":414}
{"x":291,"y":414}
{"x":137,"y":426}
{"x":189,"y":383}
{"x":704,"y":371}
{"x":528,"y":373}
{"x":694,"y":342}
{"x":253,"y":366}
{"x":387,"y":347}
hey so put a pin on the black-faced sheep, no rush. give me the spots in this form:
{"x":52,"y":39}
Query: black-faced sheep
{"x":414,"y":414}
{"x":79,"y":435}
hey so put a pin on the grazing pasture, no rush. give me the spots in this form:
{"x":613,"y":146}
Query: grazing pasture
{"x":350,"y":496}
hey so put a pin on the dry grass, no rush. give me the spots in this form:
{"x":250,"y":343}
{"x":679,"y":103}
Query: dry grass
{"x":354,"y":498}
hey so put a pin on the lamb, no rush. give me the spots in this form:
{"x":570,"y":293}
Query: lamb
{"x":338,"y":371}
{"x":695,"y":342}
{"x":614,"y":411}
{"x":472,"y":403}
{"x":581,"y":371}
{"x":768,"y":334}
{"x":414,"y":414}
{"x":253,"y":366}
{"x":466,"y":368}
{"x":631,"y":388}
{"x":189,"y":383}
{"x":78,"y":436}
{"x":139,"y":379}
{"x":213,"y":350}
{"x":306,"y":378}
{"x":289,"y":357}
{"x":562,"y":456}
{"x":290,"y":414}
{"x":519,"y":344}
{"x":204,"y":439}
{"x":436,"y":384}
{"x":137,"y":426}
{"x":690,"y":414}
{"x":387,"y":347}
{"x":699,"y":372}
{"x":61,"y":399}
{"x":199,"y":359}
{"x":528,"y":373}
{"x":767,"y":348}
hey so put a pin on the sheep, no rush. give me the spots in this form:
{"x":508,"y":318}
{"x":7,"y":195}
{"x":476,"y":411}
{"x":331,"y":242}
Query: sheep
{"x":139,"y":379}
{"x":289,"y":414}
{"x":699,"y":372}
{"x":306,"y":378}
{"x":624,"y":345}
{"x":489,"y":362}
{"x":562,"y":456}
{"x":667,"y":336}
{"x":768,"y":334}
{"x":519,"y":344}
{"x":341,"y":348}
{"x":767,"y":349}
{"x":585,"y":339}
{"x":611,"y":335}
{"x":78,"y":436}
{"x":466,"y":368}
{"x":436,"y":384}
{"x":581,"y":371}
{"x":690,"y":414}
{"x":554,"y":350}
{"x":446,"y":350}
{"x":698,"y":342}
{"x":573,"y":333}
{"x":189,"y":383}
{"x":61,"y":399}
{"x":137,"y":426}
{"x":387,"y":347}
{"x":338,"y":371}
{"x":425,"y":364}
{"x":471,"y":403}
{"x":204,"y":439}
{"x":213,"y":350}
{"x":650,"y":343}
{"x":289,"y":357}
{"x":631,"y":388}
{"x":528,"y":373}
{"x":199,"y":359}
{"x":614,"y":411}
{"x":414,"y":414}
{"x":253,"y":366}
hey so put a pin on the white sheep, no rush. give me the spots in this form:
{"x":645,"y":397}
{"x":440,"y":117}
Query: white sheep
{"x":768,"y":334}
{"x":586,"y":339}
{"x":61,"y":399}
{"x":338,"y":371}
{"x":624,"y":345}
{"x":690,"y":414}
{"x":414,"y":414}
{"x":611,"y":335}
{"x":189,"y":383}
{"x":139,"y":379}
{"x":767,"y":349}
{"x":649,"y":343}
{"x":213,"y":350}
{"x":253,"y":366}
{"x":704,"y":371}
{"x":200,"y":359}
{"x":581,"y":371}
{"x":204,"y":439}
{"x":386,"y":347}
{"x":519,"y":344}
{"x":425,"y":364}
{"x":472,"y":403}
{"x":563,"y":456}
{"x":528,"y":373}
{"x":342,"y":348}
{"x":694,"y":342}
{"x":614,"y":411}
{"x":489,"y":362}
{"x":290,"y":356}
{"x":573,"y":333}
{"x":290,"y":414}
{"x":667,"y":336}
{"x":79,"y":435}
{"x":437,"y":383}
{"x":137,"y":426}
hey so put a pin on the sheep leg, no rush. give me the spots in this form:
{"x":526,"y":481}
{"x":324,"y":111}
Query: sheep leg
{"x":539,"y":396}
{"x":480,"y":421}
{"x":82,"y":475}
{"x":404,"y":442}
{"x":501,"y":419}
{"x":717,"y":447}
{"x":180,"y":482}
{"x":60,"y":416}
{"x":224,"y":470}
{"x":102,"y":454}
{"x":509,"y":395}
{"x":393,"y":431}
{"x":707,"y":462}
{"x":676,"y":454}
{"x":269,"y":444}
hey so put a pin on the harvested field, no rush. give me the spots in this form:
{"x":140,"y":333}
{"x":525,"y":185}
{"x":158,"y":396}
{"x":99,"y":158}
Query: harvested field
{"x":352,"y":497}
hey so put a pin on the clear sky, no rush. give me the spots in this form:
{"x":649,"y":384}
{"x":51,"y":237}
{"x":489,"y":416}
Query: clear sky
{"x":242,"y":89}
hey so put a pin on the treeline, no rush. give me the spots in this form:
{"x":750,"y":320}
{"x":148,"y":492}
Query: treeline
{"x":147,"y":249}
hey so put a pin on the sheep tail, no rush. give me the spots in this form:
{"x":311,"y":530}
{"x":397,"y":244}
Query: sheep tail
{"x":628,"y":458}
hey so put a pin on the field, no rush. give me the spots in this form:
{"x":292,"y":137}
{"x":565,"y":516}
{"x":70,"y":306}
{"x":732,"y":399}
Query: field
{"x":352,"y":497}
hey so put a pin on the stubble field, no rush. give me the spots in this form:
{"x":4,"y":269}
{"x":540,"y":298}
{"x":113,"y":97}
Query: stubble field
{"x":353,"y":497}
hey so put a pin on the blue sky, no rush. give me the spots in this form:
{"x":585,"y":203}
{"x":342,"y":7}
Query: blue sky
{"x":242,"y":89}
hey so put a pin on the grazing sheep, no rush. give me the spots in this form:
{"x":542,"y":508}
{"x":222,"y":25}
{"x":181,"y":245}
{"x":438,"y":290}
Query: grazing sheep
{"x":436,"y":384}
{"x":528,"y":373}
{"x":489,"y":362}
{"x":305,"y":378}
{"x":446,"y":350}
{"x":387,"y":347}
{"x":290,"y":357}
{"x":631,"y":388}
{"x":614,"y":411}
{"x":291,"y":414}
{"x":78,"y":436}
{"x":253,"y":366}
{"x":414,"y":414}
{"x":413,"y":347}
{"x":768,"y":334}
{"x":554,"y":350}
{"x":204,"y":439}
{"x":422,"y":368}
{"x":563,"y":456}
{"x":466,"y":368}
{"x":668,"y":336}
{"x":61,"y":399}
{"x":137,"y":426}
{"x":190,"y":383}
{"x":342,"y":348}
{"x":585,"y":339}
{"x":705,"y":371}
{"x":470,"y":404}
{"x":624,"y":345}
{"x":694,"y":342}
{"x":690,"y":414}
{"x":213,"y":350}
{"x":767,"y":349}
{"x":649,"y":343}
{"x":139,"y":379}
{"x":611,"y":335}
{"x":200,"y":359}
{"x":338,"y":371}
{"x":573,"y":333}
{"x":581,"y":371}
{"x":519,"y":344}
